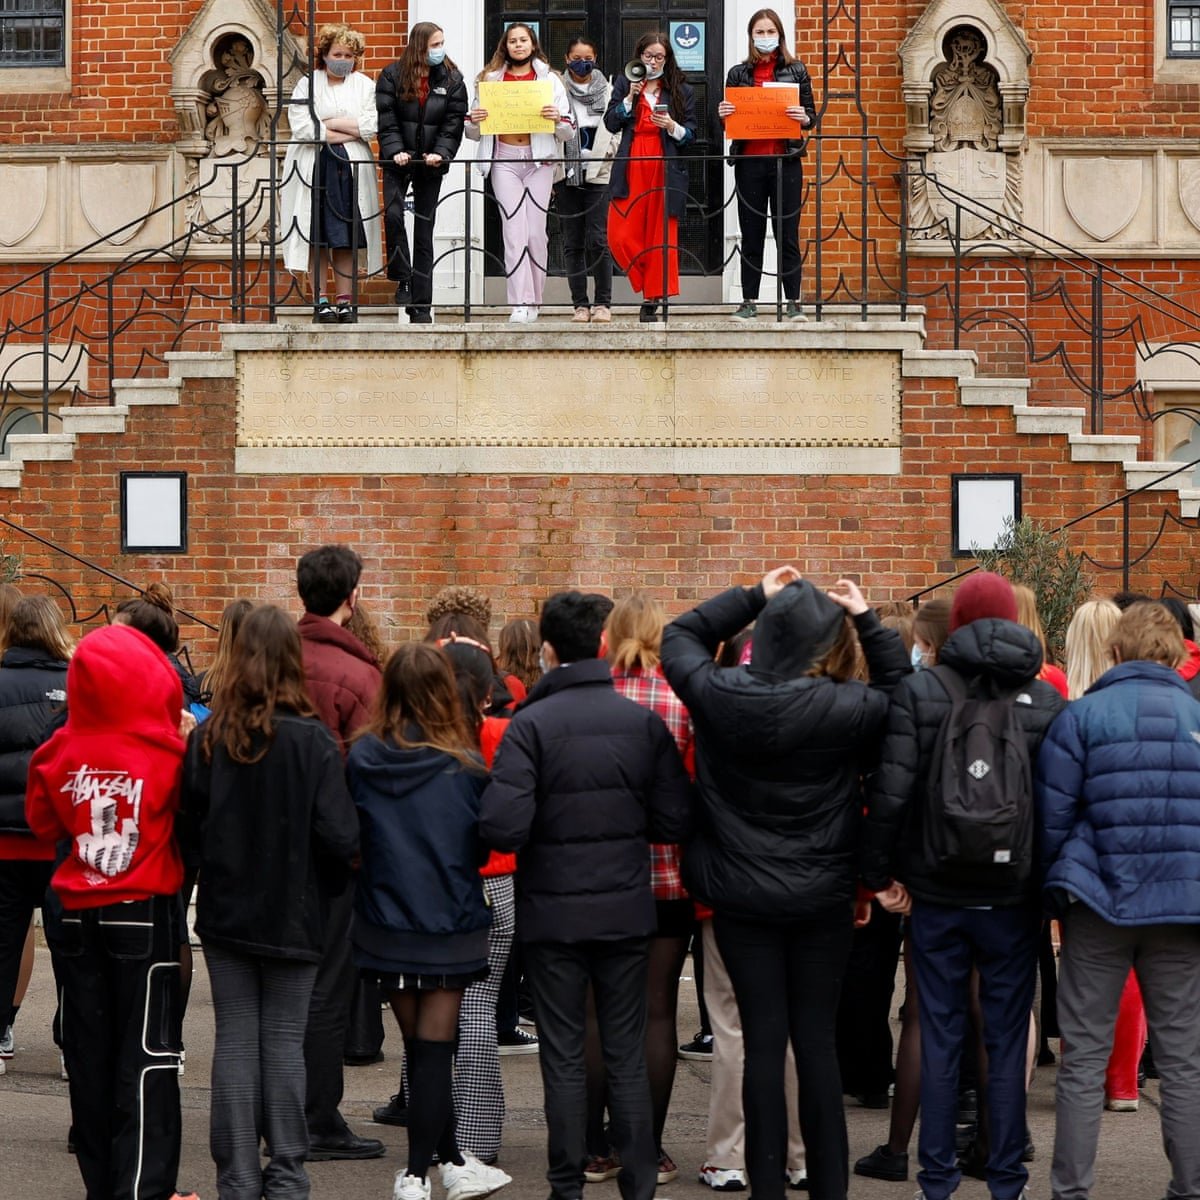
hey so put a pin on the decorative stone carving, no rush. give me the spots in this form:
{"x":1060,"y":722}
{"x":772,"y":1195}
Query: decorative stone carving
{"x":1189,"y":189}
{"x":116,"y":198}
{"x":238,"y":119}
{"x":1102,"y":194}
{"x":31,"y":182}
{"x":966,"y":83}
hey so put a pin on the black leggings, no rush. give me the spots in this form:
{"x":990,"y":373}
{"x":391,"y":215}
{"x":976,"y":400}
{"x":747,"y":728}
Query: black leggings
{"x":758,"y":193}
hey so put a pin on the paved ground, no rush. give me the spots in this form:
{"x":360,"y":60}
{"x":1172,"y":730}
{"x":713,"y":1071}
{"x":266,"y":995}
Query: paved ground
{"x":34,"y":1118}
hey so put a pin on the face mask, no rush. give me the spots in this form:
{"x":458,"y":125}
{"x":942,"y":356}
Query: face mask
{"x":654,"y":72}
{"x":917,"y":658}
{"x":519,"y":62}
{"x":339,"y":68}
{"x":766,"y":45}
{"x":581,"y":66}
{"x":435,"y":57}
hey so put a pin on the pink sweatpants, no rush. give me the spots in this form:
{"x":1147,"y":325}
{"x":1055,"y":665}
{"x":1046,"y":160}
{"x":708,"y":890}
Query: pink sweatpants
{"x":522,"y":189}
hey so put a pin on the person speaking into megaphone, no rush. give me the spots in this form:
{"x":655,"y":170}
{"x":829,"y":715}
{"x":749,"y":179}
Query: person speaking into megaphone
{"x":655,"y":115}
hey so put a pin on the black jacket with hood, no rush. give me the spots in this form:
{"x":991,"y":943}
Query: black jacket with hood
{"x":33,"y":687}
{"x":409,"y":127}
{"x":780,"y":754}
{"x":1010,"y":656}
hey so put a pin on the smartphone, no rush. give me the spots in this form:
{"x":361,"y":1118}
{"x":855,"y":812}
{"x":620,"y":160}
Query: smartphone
{"x":662,"y":108}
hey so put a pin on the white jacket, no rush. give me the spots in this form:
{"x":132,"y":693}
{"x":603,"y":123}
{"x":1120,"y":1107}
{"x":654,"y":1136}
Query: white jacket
{"x":353,"y":98}
{"x":545,"y":147}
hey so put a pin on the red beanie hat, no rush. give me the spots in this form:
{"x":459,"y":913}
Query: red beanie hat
{"x":983,"y":594}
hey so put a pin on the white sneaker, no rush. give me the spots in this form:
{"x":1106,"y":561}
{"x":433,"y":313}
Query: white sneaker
{"x":519,"y":315}
{"x":7,"y":1047}
{"x":182,"y":1061}
{"x":472,"y":1179}
{"x":797,"y":1179}
{"x":409,"y":1187}
{"x":723,"y":1181}
{"x":1121,"y":1105}
{"x":531,"y":313}
{"x":62,"y":1066}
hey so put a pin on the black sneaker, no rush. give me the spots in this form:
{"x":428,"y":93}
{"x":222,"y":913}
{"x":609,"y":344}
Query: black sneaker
{"x":701,"y":1047}
{"x":403,"y":295}
{"x":881,"y":1163}
{"x":347,"y":314}
{"x":420,"y":316}
{"x":648,"y":312}
{"x":394,"y":1112}
{"x":325,"y":313}
{"x":516,"y":1041}
{"x":872,"y":1099}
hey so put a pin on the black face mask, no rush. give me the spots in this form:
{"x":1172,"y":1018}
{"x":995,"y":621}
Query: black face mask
{"x":520,"y":62}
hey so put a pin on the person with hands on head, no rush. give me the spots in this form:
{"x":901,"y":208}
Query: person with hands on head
{"x":782,"y":745}
{"x":655,"y":117}
{"x":422,"y":104}
{"x":767,"y":172}
{"x":521,"y":167}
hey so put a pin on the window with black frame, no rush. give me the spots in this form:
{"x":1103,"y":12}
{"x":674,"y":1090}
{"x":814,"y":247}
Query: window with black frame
{"x":1183,"y":30}
{"x":32,"y":33}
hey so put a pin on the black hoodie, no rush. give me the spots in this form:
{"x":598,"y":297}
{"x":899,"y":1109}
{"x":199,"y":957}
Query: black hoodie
{"x":779,"y":754}
{"x":1011,"y":656}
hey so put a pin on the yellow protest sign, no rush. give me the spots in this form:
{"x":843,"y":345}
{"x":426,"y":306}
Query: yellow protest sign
{"x":515,"y":107}
{"x":760,"y":112}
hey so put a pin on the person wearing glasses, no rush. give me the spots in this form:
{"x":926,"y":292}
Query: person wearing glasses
{"x":655,"y":117}
{"x":757,"y":164}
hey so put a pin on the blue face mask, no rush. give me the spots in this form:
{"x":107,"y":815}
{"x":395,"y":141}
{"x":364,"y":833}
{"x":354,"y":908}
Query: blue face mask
{"x":917,"y":658}
{"x":581,"y":67}
{"x":435,"y":57}
{"x":339,"y":68}
{"x":766,"y":45}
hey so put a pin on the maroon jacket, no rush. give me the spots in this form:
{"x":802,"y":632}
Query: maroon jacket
{"x":342,"y":675}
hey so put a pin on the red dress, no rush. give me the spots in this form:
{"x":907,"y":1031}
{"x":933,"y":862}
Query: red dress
{"x":635,"y":224}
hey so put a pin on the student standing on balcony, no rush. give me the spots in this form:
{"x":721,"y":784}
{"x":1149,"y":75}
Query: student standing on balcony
{"x":758,"y":162}
{"x":655,"y":117}
{"x":422,"y":103}
{"x":329,"y":134}
{"x":521,"y":166}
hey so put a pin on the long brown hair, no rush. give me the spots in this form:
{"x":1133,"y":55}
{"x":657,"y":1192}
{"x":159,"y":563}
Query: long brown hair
{"x":419,"y":695}
{"x":785,"y":55}
{"x":36,"y":623}
{"x":499,"y":59}
{"x":152,"y":613}
{"x":231,"y":621}
{"x":9,"y":595}
{"x":266,"y":672}
{"x":519,"y":648}
{"x":414,"y":64}
{"x":673,"y":81}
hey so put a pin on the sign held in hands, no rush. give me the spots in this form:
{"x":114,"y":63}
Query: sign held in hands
{"x":761,"y":112}
{"x":515,"y":107}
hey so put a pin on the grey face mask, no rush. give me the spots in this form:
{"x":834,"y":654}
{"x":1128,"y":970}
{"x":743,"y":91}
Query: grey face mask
{"x":339,"y":68}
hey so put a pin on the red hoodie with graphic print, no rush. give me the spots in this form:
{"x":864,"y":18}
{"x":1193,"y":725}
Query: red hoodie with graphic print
{"x":109,"y":778}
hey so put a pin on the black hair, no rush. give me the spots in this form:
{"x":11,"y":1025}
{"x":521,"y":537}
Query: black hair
{"x":581,"y":37}
{"x":1124,"y":600}
{"x":1180,"y":611}
{"x":325,"y":577}
{"x":572,"y":623}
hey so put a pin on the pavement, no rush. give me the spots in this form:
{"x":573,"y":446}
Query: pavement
{"x":34,"y":1115}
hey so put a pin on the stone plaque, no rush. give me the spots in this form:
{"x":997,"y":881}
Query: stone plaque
{"x":816,"y":411}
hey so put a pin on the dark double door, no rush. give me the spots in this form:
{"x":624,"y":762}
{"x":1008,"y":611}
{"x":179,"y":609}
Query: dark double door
{"x":697,"y":32}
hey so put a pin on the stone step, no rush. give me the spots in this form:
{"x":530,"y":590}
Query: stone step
{"x":1156,"y":476}
{"x":1189,"y":502}
{"x":197,"y":364}
{"x":1102,"y":447}
{"x":147,"y":391}
{"x":40,"y":447}
{"x":940,"y":364}
{"x":1049,"y":420}
{"x":94,"y":418}
{"x":1011,"y":393}
{"x":10,"y":474}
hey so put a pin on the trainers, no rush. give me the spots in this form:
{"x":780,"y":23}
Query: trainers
{"x":747,"y":312}
{"x":598,"y":1169}
{"x":881,"y":1163}
{"x":794,"y":312}
{"x":62,"y":1066}
{"x":7,"y":1047}
{"x":347,"y":314}
{"x":723,"y":1181}
{"x":325,"y":313}
{"x":601,"y":315}
{"x":409,"y":1187}
{"x":472,"y":1179}
{"x":182,"y":1060}
{"x":403,"y":296}
{"x":394,"y":1112}
{"x":516,"y":1041}
{"x":797,"y":1179}
{"x":1119,"y":1105}
{"x":701,"y":1046}
{"x":582,"y":316}
{"x":531,"y":314}
{"x":519,"y":315}
{"x":667,"y":1170}
{"x":648,"y":313}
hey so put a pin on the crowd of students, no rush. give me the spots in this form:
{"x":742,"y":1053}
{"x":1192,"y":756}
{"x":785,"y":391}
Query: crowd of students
{"x":610,"y":159}
{"x":772,"y":777}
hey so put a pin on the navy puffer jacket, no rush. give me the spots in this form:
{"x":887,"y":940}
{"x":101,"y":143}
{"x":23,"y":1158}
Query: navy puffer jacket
{"x":1118,"y":785}
{"x":33,"y":687}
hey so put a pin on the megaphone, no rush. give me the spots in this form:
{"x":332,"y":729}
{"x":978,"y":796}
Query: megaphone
{"x":635,"y":70}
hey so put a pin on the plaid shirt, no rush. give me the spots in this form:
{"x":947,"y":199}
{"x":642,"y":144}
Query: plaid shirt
{"x":651,"y":690}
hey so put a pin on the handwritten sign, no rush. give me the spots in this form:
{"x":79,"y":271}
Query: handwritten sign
{"x":515,"y":107}
{"x":759,"y":112}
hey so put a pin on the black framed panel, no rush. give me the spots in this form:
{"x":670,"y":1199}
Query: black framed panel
{"x":980,"y":505}
{"x":153,"y":512}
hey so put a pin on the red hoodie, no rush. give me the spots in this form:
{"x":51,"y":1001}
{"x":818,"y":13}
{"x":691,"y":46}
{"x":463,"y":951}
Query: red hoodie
{"x":1191,"y":665}
{"x":109,"y":778}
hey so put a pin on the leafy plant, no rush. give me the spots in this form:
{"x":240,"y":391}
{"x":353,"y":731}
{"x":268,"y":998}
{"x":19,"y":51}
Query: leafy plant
{"x":10,"y":567}
{"x":1029,"y":553}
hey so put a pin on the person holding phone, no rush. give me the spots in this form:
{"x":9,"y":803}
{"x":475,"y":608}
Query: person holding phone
{"x":756,"y":164}
{"x":521,"y":167}
{"x":655,"y":117}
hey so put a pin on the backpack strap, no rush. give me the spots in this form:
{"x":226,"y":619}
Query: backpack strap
{"x":955,"y":685}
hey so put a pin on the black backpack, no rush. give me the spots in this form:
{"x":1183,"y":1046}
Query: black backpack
{"x":978,"y":826}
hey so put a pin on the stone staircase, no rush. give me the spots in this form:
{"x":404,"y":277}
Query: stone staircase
{"x":916,"y":362}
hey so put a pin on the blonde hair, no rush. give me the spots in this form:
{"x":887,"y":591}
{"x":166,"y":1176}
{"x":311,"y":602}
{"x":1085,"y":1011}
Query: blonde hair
{"x":36,"y":623}
{"x":342,"y":33}
{"x":635,"y":628}
{"x":1027,"y":615}
{"x":1148,"y":632}
{"x":1088,"y":648}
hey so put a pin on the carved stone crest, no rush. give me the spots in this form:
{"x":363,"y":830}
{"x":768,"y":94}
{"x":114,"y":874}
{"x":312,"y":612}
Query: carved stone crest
{"x":30,"y":182}
{"x":1189,"y":189}
{"x":1102,"y":194}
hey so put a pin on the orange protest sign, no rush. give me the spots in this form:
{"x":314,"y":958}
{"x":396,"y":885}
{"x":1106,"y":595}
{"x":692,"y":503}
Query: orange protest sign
{"x":759,"y":112}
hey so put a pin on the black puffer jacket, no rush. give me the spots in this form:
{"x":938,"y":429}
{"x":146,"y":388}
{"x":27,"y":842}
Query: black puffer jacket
{"x":1010,"y":656}
{"x":779,"y":754}
{"x":33,"y":686}
{"x":742,"y":75}
{"x":407,"y":128}
{"x":584,"y":780}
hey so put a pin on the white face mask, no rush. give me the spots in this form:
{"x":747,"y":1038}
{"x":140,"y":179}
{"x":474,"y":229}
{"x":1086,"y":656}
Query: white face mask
{"x":766,"y":45}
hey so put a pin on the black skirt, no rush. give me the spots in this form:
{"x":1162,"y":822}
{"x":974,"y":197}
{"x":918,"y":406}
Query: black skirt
{"x":339,"y":223}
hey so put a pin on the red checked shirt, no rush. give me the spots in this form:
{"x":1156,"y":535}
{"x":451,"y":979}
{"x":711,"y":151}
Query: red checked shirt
{"x":651,"y":690}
